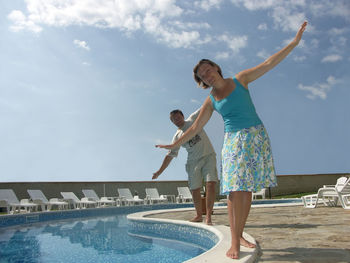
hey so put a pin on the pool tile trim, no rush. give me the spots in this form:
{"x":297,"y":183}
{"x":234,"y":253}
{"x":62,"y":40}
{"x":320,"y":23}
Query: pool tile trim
{"x":216,"y":253}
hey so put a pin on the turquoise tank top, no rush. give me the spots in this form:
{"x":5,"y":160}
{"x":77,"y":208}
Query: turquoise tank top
{"x":237,"y":109}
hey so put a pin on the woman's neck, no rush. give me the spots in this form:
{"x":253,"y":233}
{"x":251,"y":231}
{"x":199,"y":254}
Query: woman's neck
{"x":221,"y":84}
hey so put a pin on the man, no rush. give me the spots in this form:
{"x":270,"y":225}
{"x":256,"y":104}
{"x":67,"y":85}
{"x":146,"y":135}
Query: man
{"x":201,"y":164}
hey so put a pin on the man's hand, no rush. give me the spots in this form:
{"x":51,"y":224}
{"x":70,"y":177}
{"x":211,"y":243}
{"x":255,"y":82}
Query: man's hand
{"x":155,"y":175}
{"x":168,"y":146}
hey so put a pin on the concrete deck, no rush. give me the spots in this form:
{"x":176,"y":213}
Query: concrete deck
{"x":291,"y":234}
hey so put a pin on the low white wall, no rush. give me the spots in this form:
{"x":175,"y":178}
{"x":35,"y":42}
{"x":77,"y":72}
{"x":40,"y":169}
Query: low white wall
{"x":287,"y":184}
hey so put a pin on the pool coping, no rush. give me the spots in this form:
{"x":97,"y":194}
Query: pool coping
{"x":216,"y":253}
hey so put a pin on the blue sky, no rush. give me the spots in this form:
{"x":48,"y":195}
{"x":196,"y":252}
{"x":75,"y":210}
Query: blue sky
{"x":86,"y":87}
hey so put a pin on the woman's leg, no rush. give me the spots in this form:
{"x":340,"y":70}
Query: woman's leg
{"x":238,"y":206}
{"x":234,"y":206}
{"x":247,"y":201}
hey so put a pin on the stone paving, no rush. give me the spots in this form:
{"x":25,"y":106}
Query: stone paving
{"x":292,"y":234}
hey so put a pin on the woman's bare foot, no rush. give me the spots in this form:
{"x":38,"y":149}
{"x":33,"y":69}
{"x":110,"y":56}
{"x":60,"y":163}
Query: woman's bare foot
{"x":232,"y":253}
{"x":197,"y":219}
{"x":246,"y":243}
{"x":208,"y":221}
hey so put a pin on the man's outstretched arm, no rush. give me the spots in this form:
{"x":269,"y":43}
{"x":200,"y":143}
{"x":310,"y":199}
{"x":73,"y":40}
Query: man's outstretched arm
{"x":164,"y":165}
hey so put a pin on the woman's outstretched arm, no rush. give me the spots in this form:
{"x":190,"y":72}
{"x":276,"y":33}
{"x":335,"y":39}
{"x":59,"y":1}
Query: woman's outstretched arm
{"x":202,"y":119}
{"x":249,"y":75}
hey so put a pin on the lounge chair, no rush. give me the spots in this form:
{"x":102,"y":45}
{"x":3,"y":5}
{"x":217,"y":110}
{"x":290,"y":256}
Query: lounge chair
{"x":71,"y":198}
{"x":184,"y":195}
{"x":103,"y":201}
{"x":261,"y":193}
{"x":126,"y":196}
{"x":38,"y":197}
{"x":330,"y":194}
{"x":9,"y":200}
{"x":152,"y":196}
{"x":343,"y":191}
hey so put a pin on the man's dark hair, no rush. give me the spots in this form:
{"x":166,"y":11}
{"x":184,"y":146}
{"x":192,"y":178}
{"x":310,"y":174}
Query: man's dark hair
{"x":176,"y":111}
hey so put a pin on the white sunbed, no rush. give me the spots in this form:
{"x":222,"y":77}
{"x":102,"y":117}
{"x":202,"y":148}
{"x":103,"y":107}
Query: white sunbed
{"x":71,"y":198}
{"x":152,"y":196}
{"x":184,"y":195}
{"x":38,"y":197}
{"x":330,"y":194}
{"x":103,"y":201}
{"x":261,"y":193}
{"x":126,"y":196}
{"x":9,"y":200}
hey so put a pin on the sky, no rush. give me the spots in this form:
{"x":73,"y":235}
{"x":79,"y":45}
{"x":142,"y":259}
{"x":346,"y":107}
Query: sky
{"x":86,"y":87}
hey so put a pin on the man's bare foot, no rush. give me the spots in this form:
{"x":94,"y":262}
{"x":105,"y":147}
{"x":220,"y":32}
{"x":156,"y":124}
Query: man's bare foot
{"x":232,"y":253}
{"x":197,"y":219}
{"x":246,"y":243}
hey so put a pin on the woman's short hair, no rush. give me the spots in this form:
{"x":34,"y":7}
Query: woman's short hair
{"x":195,"y":69}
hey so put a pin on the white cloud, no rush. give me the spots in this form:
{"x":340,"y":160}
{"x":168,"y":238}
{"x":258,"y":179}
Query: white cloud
{"x":161,"y":141}
{"x":263,"y":54}
{"x":222,"y":55}
{"x":288,"y":19}
{"x":338,"y":44}
{"x":262,"y":26}
{"x":81,"y":44}
{"x":196,"y":101}
{"x":155,"y":17}
{"x":6,"y":105}
{"x":208,"y":4}
{"x":342,"y":41}
{"x":314,"y":43}
{"x":287,"y":15}
{"x":337,"y":31}
{"x":20,"y":22}
{"x":331,"y":58}
{"x":235,"y":43}
{"x":299,"y":58}
{"x":323,"y":8}
{"x":319,"y":89}
{"x":255,"y":4}
{"x":183,"y":25}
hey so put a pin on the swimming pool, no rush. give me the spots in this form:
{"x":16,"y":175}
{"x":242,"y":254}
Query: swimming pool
{"x":270,"y":202}
{"x":108,"y":238}
{"x":287,"y":201}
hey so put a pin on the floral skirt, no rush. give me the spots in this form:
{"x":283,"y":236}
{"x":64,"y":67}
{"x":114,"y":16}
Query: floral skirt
{"x":247,"y":163}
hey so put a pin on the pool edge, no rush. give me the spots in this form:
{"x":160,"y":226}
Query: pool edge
{"x":216,"y":253}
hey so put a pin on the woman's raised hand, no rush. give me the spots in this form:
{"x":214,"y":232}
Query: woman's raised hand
{"x":300,"y":33}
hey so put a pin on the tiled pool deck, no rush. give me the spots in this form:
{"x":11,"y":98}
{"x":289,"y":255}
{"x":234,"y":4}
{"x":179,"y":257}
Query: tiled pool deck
{"x":291,"y":234}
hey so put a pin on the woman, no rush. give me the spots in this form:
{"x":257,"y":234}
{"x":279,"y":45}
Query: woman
{"x":247,"y":163}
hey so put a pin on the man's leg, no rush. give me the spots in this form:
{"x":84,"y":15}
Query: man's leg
{"x":210,"y":199}
{"x":210,"y":175}
{"x":195,"y":183}
{"x":197,"y":200}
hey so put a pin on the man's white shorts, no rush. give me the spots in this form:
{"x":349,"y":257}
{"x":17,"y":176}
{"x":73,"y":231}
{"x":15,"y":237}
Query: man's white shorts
{"x":202,"y":169}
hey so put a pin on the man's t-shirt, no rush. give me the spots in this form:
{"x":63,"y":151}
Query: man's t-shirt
{"x":198,"y":146}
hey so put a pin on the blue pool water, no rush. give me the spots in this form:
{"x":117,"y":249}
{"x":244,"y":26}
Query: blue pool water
{"x":292,"y":201}
{"x":277,"y":201}
{"x":102,"y":239}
